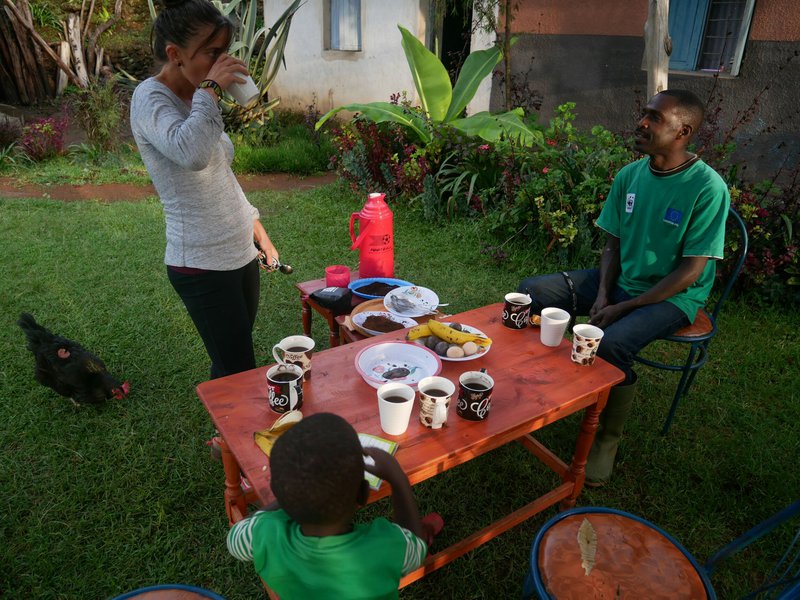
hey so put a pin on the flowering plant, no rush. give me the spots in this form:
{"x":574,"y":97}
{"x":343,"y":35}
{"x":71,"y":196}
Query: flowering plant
{"x":772,"y":216}
{"x":44,"y":138}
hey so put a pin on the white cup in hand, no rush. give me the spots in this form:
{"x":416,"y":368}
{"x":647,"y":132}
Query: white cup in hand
{"x":244,"y":93}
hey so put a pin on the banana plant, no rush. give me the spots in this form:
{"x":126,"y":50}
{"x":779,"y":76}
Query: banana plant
{"x":441,"y":104}
{"x":262,"y":49}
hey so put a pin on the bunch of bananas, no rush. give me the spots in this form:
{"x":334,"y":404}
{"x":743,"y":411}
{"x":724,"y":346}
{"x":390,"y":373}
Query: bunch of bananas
{"x":447,"y":340}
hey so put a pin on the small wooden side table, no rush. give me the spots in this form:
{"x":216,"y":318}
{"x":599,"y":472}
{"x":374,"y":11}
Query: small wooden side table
{"x":307,"y":304}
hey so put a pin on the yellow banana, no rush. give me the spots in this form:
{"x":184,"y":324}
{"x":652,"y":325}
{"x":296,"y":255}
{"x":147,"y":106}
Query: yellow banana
{"x":267,"y":438}
{"x":453,"y":336}
{"x":417,"y":332}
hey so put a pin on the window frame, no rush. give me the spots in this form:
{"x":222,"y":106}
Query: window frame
{"x":698,"y":39}
{"x":327,"y":24}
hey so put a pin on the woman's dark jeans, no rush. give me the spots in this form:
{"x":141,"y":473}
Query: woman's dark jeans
{"x":222,"y":305}
{"x":624,"y":338}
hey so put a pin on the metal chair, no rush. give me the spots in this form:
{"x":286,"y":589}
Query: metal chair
{"x":699,"y":334}
{"x":170,"y":591}
{"x":637,"y":559}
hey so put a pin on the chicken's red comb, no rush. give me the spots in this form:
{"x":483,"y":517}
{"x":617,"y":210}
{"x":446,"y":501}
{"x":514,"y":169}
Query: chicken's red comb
{"x":122,"y":391}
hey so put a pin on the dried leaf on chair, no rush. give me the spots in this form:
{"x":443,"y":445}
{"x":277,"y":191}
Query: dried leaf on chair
{"x":587,"y":542}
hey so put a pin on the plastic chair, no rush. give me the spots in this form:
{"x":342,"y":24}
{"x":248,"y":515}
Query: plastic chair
{"x":699,"y":334}
{"x":637,"y":559}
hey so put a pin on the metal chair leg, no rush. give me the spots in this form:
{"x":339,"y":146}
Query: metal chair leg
{"x":703,"y":353}
{"x":687,"y":369}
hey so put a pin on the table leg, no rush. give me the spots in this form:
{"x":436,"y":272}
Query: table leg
{"x":306,"y":313}
{"x":333,"y":335}
{"x":577,"y":470}
{"x":235,"y":502}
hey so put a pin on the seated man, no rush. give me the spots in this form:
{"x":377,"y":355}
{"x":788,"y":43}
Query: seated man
{"x":664,"y":219}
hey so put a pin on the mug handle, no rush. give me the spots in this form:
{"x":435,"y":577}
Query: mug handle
{"x":278,"y":359}
{"x":293,"y":394}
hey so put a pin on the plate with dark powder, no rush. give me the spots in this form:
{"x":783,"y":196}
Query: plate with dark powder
{"x":376,"y":322}
{"x":376,"y":287}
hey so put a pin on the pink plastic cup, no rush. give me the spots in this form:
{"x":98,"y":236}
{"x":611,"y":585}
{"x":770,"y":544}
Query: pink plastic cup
{"x":337,"y":276}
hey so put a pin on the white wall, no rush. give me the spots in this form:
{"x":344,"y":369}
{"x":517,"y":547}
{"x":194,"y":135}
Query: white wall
{"x":481,"y":40}
{"x":336,"y":78}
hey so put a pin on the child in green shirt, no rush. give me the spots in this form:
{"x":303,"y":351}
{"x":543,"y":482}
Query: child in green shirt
{"x":305,"y":545}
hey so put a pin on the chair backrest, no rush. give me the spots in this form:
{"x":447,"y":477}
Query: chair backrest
{"x":737,"y":223}
{"x":783,"y":582}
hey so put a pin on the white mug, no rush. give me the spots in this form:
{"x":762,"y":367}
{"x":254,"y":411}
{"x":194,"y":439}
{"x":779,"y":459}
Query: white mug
{"x":295,"y":350}
{"x":244,"y":93}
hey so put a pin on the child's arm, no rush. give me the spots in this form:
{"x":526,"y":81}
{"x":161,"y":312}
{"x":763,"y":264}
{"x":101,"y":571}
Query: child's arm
{"x":386,"y":467}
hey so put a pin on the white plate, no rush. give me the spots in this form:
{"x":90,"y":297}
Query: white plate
{"x":424,"y":301}
{"x":398,"y":362}
{"x":361,"y":318}
{"x":482,"y":350}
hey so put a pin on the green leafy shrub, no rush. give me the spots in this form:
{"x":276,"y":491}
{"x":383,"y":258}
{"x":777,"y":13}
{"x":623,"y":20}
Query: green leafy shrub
{"x":100,"y":111}
{"x":379,"y":157}
{"x":772,"y":216}
{"x":290,"y":150}
{"x":555,"y":193}
{"x":441,"y":103}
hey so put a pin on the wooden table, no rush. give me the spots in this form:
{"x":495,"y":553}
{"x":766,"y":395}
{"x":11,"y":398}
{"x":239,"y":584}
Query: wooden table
{"x":535,"y":385}
{"x":307,"y":304}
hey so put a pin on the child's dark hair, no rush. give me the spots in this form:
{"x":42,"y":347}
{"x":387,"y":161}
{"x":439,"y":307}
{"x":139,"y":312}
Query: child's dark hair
{"x":317,"y":470}
{"x":179,"y":20}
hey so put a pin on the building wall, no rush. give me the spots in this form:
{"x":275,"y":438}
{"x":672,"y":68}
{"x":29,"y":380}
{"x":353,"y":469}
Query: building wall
{"x":591,"y":53}
{"x":333,"y":78}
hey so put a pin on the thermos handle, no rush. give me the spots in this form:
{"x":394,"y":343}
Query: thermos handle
{"x":353,"y":218}
{"x":361,"y":231}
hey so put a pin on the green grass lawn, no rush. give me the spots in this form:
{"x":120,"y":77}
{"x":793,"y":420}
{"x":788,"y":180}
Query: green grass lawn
{"x":98,"y":501}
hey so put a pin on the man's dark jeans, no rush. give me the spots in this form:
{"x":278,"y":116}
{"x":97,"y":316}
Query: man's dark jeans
{"x":624,"y":338}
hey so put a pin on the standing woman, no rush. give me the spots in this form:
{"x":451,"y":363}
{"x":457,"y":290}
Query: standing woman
{"x":211,"y":227}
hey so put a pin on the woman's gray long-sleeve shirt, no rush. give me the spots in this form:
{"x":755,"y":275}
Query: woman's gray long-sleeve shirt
{"x":188,"y":155}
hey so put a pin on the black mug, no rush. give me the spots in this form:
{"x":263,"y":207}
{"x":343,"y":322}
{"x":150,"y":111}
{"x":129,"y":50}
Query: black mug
{"x":517,"y":310}
{"x":285,"y":387}
{"x":474,"y":395}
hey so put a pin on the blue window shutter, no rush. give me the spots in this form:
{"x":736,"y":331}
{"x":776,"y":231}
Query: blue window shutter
{"x":687,"y":22}
{"x":346,"y":25}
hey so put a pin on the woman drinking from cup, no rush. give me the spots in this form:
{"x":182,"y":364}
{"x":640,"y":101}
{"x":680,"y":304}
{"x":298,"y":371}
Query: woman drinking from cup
{"x":211,"y":227}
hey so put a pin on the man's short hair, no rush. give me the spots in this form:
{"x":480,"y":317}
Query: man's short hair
{"x":317,"y":470}
{"x":690,"y":107}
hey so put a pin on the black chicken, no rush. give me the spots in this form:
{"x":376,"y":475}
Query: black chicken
{"x":68,"y":368}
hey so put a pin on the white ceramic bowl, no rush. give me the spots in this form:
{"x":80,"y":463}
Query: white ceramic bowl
{"x":399,"y":362}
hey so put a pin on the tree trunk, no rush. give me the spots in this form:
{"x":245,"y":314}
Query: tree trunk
{"x":38,"y":57}
{"x":507,"y":51}
{"x":37,"y":39}
{"x":61,"y":83}
{"x":658,"y":46}
{"x":74,"y":39}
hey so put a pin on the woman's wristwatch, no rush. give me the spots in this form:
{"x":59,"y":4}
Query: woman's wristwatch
{"x":210,"y":83}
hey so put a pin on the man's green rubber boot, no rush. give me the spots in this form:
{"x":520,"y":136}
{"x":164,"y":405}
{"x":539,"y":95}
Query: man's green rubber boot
{"x":601,"y":456}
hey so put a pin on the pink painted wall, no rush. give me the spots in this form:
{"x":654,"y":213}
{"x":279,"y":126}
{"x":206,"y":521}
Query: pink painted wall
{"x":773,"y":20}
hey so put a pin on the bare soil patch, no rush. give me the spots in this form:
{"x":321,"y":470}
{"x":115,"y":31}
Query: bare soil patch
{"x":120,"y":192}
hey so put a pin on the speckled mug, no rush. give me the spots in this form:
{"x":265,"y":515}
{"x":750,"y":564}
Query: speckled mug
{"x":585,"y":340}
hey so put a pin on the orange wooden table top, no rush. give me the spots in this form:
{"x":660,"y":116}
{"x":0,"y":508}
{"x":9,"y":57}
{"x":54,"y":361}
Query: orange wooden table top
{"x":534,"y":385}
